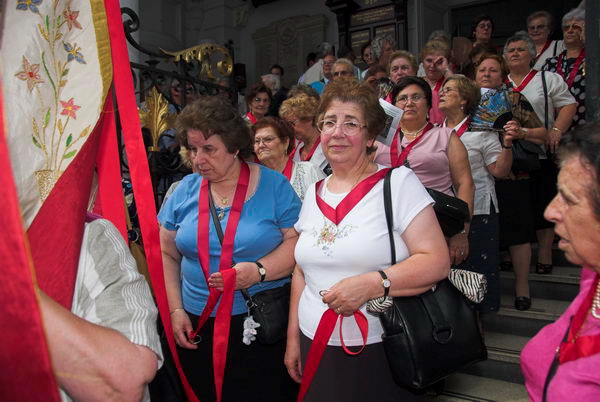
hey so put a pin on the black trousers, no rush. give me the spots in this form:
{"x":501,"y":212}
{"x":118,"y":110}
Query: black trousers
{"x":252,"y":373}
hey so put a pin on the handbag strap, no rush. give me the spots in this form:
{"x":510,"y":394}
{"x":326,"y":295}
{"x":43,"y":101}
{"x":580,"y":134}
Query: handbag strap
{"x":545,"y":99}
{"x":219,"y":229}
{"x":389,"y":217}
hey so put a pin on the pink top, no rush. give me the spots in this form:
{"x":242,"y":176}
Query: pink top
{"x":429,"y":159}
{"x":577,"y":380}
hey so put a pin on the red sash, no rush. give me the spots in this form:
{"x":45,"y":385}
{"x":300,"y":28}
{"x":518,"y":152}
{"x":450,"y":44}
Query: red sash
{"x":223,"y":318}
{"x":251,"y":117}
{"x":396,"y":158}
{"x":581,"y":346}
{"x":461,"y":130}
{"x":287,"y":170}
{"x":358,"y":193}
{"x":525,"y":81}
{"x":312,"y":151}
{"x":559,"y":67}
{"x":546,"y":46}
{"x":324,"y":331}
{"x":438,"y":85}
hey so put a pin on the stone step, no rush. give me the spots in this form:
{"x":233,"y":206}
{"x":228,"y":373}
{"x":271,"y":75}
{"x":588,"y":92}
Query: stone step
{"x":508,"y":320}
{"x":466,"y":387}
{"x":562,"y":284}
{"x":558,"y":256}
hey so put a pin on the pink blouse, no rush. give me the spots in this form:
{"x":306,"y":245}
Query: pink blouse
{"x":577,"y":380}
{"x":429,"y":159}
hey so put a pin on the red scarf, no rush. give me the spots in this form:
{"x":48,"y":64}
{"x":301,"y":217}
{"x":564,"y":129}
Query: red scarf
{"x":546,"y":46}
{"x":287,"y":170}
{"x":397,"y":158}
{"x":559,"y":67}
{"x":312,"y":150}
{"x":251,"y":117}
{"x":577,"y":346}
{"x":525,"y":81}
{"x":223,"y":318}
{"x":461,"y":130}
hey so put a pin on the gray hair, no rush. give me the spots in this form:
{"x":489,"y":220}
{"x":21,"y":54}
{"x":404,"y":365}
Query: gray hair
{"x":521,"y":36}
{"x":324,"y":49}
{"x":574,"y":14}
{"x":345,"y":62}
{"x":377,"y":44}
{"x":440,"y":33}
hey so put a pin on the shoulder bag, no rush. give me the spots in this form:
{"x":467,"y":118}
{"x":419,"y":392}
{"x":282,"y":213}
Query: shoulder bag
{"x":429,"y":336}
{"x":270,"y":308}
{"x":451,"y":212}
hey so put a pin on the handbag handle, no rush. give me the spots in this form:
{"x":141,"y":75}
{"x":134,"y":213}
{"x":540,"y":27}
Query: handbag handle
{"x":389,"y":217}
{"x":545,"y":100}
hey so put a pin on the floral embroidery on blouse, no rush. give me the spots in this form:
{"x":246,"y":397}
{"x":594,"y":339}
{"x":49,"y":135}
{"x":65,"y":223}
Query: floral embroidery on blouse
{"x":328,"y":234}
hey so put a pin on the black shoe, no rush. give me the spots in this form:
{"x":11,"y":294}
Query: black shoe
{"x":506,"y":266}
{"x":543,"y":269}
{"x":522,"y":303}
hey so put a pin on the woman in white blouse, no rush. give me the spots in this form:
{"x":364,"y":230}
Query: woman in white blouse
{"x":343,"y":251}
{"x":539,"y":28}
{"x":273,"y":142}
{"x":489,"y":157}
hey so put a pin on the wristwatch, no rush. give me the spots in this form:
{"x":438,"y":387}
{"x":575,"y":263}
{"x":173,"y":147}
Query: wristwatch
{"x":385,"y":282}
{"x":261,"y":271}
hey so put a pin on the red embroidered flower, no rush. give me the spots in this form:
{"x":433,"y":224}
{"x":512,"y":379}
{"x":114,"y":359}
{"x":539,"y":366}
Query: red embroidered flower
{"x":30,"y":73}
{"x":69,"y":108}
{"x":71,"y":18}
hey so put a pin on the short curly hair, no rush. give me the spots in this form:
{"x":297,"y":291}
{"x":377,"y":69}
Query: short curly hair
{"x":302,"y":106}
{"x":282,"y":129}
{"x":435,"y":46}
{"x":213,"y":115}
{"x":353,"y":92}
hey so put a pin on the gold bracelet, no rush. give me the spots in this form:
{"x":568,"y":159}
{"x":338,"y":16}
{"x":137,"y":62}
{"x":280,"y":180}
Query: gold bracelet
{"x":177,"y":309}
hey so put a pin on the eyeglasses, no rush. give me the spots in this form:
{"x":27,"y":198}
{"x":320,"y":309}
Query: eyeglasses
{"x":342,"y":73}
{"x":536,"y":27}
{"x":265,"y":140}
{"x":264,"y":100}
{"x":445,"y":90}
{"x":485,"y":25}
{"x":403,"y":99}
{"x":575,"y":27}
{"x":349,"y":128}
{"x":328,"y":63}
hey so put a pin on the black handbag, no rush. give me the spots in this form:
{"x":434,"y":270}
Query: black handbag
{"x":429,"y":336}
{"x":166,"y":385}
{"x":526,"y":156}
{"x":451,"y":212}
{"x":270,"y":308}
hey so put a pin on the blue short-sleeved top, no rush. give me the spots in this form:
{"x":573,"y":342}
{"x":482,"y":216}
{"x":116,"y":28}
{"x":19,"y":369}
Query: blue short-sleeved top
{"x":273,"y":206}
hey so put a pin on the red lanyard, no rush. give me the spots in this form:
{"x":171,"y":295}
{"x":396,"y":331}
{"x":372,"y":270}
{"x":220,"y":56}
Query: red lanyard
{"x":223,"y":318}
{"x":546,"y":46}
{"x":581,"y":346}
{"x":461,"y":130}
{"x":251,"y":117}
{"x":525,"y":81}
{"x":350,"y":200}
{"x":312,"y":151}
{"x":573,"y":73}
{"x":319,"y":343}
{"x":287,"y":170}
{"x":398,"y":160}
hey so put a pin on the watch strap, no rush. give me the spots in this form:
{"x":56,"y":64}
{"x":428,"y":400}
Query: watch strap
{"x":261,"y":271}
{"x":384,"y":278}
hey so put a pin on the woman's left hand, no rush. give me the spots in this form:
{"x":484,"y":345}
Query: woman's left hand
{"x":459,"y":248}
{"x":348,"y":295}
{"x":246,"y":276}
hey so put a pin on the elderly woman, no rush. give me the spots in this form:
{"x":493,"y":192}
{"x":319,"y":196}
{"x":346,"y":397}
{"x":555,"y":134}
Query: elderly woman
{"x":483,"y":29}
{"x":556,"y":100}
{"x":256,"y":208}
{"x":343,"y":68}
{"x":539,"y":28}
{"x":402,"y":64}
{"x":435,"y":154}
{"x":435,"y":56}
{"x":570,"y":64}
{"x":488,"y":158}
{"x":273,"y":142}
{"x":561,"y":362}
{"x":343,"y":256}
{"x":300,"y":112}
{"x":259,"y":99}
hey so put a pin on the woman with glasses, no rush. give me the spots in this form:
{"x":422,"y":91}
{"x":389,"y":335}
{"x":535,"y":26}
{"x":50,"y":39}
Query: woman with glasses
{"x":539,"y":28}
{"x":435,"y":154}
{"x":259,"y":99}
{"x":343,"y":251}
{"x":570,"y":63}
{"x":273,"y":142}
{"x":483,"y":29}
{"x":343,"y":68}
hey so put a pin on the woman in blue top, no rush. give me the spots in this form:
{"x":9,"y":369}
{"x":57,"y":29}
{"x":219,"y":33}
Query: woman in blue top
{"x":257,"y":209}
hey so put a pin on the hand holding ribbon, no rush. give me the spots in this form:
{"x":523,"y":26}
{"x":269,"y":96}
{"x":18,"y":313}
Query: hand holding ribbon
{"x":349,"y":294}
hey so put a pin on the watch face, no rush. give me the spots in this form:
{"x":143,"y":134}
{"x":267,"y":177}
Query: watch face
{"x":262,"y":271}
{"x":386,"y":283}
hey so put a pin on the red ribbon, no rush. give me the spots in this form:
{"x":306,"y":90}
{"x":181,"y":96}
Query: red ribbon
{"x":461,"y":130}
{"x":322,"y":336}
{"x":223,"y":318}
{"x":546,"y":46}
{"x":140,"y":175}
{"x":438,"y":85}
{"x":398,"y":160}
{"x":577,"y":346}
{"x":251,"y":117}
{"x":289,"y":166}
{"x":350,"y":200}
{"x":573,"y":73}
{"x":312,"y":150}
{"x":525,"y":81}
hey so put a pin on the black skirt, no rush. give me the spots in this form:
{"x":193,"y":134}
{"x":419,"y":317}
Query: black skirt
{"x":516,"y":220}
